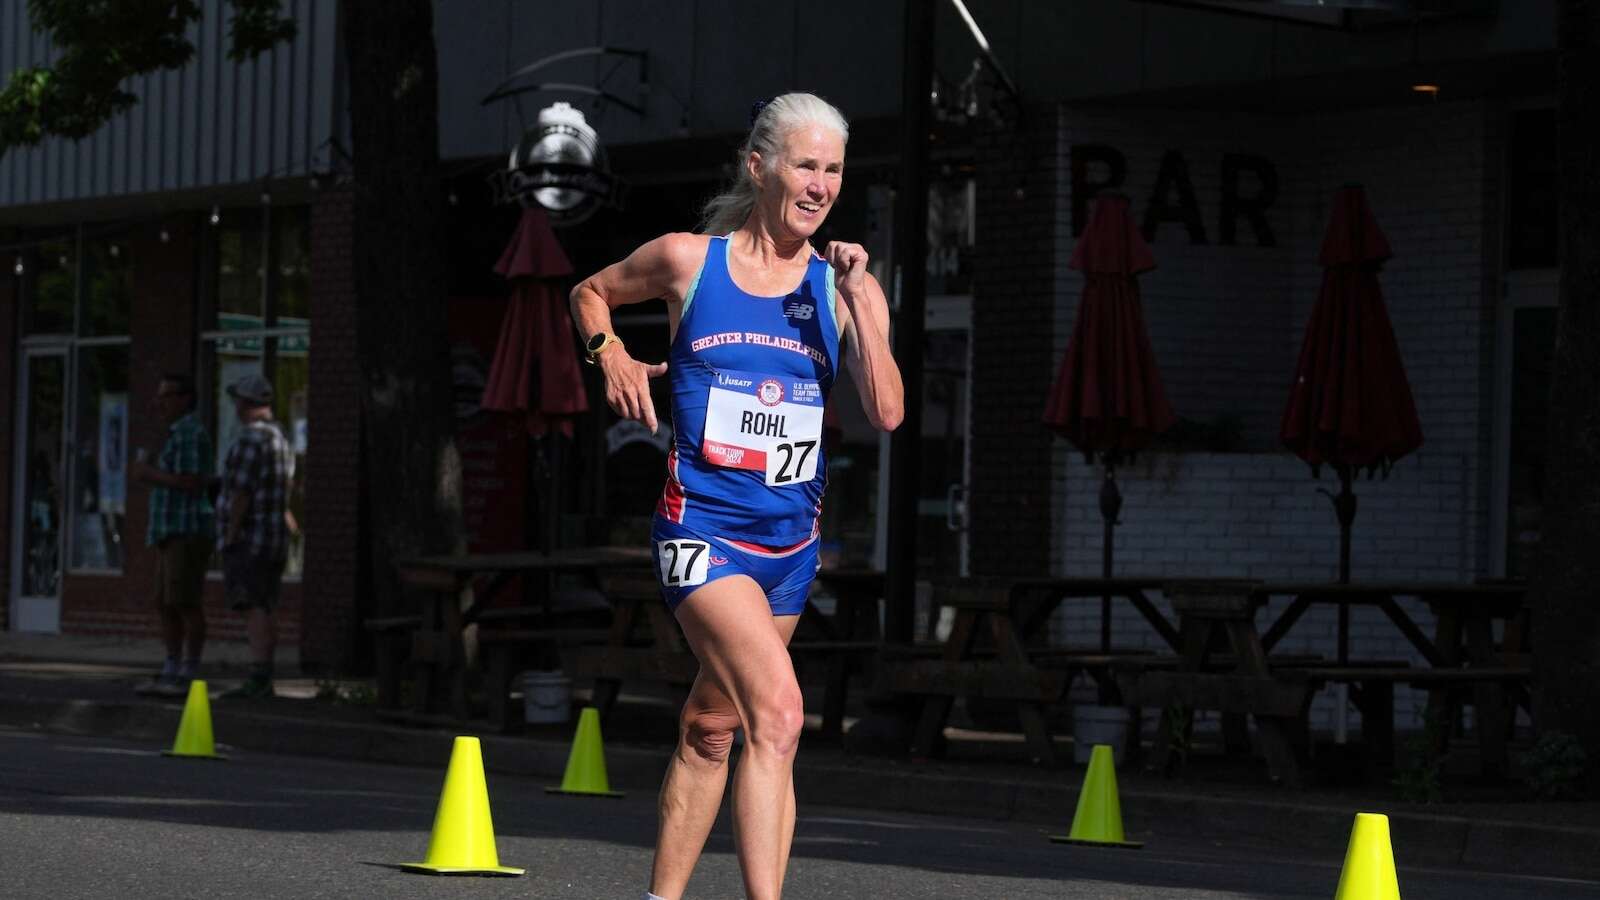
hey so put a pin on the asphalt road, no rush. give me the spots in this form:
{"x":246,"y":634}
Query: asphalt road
{"x":100,"y":818}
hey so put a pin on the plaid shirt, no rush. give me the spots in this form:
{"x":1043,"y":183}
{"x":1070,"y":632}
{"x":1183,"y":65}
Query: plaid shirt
{"x":173,"y":512}
{"x":261,"y":464}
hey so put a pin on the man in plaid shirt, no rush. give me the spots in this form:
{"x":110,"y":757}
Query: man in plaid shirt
{"x":253,"y":523}
{"x":180,"y":528}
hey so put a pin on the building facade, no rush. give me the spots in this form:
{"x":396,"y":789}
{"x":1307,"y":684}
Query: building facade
{"x":191,"y":235}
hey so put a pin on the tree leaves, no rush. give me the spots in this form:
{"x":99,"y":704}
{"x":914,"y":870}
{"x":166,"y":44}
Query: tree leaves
{"x":100,"y":44}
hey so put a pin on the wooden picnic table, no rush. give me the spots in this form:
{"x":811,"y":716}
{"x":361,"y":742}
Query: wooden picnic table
{"x":1463,"y":639}
{"x":1275,"y":690}
{"x":456,"y":592}
{"x":843,"y":640}
{"x":451,"y":598}
{"x":1013,"y":611}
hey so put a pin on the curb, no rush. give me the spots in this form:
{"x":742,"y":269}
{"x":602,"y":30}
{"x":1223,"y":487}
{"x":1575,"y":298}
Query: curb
{"x":1419,"y":839}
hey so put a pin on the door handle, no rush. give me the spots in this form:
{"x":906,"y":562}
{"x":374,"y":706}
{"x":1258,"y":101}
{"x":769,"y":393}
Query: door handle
{"x":955,"y":507}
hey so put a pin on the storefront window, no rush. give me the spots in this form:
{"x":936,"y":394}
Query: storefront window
{"x":107,"y":288}
{"x":239,"y":269}
{"x":49,"y":279}
{"x":292,"y":243}
{"x":99,"y":458}
{"x":263,"y":330}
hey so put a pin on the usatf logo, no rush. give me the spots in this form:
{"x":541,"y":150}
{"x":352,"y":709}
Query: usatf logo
{"x":770,"y":393}
{"x":797,"y":310}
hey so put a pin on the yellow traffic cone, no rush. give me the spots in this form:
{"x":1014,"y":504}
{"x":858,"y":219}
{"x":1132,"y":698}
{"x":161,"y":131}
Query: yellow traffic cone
{"x":463,"y":833}
{"x":194,"y":729}
{"x":1369,"y":862}
{"x":1098,"y":821}
{"x":586,"y":764}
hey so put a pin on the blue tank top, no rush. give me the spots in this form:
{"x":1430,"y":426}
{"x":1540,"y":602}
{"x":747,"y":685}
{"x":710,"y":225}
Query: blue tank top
{"x":750,"y":377}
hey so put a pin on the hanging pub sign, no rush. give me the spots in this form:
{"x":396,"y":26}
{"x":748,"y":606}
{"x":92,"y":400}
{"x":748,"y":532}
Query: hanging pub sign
{"x":560,"y":167}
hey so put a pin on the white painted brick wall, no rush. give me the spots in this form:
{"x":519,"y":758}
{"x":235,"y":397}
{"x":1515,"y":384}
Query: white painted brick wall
{"x":1226,"y":325}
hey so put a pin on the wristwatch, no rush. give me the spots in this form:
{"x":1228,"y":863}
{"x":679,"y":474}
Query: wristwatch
{"x":598,"y":344}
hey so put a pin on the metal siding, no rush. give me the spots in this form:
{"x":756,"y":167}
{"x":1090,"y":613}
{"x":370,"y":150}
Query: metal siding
{"x":324,"y":119}
{"x":734,"y":71}
{"x":172,"y":100}
{"x":186,"y":136}
{"x":472,"y":59}
{"x":8,"y":63}
{"x":666,"y":32}
{"x":304,"y":59}
{"x":213,"y":123}
{"x":209,"y":109}
{"x":229,"y":110}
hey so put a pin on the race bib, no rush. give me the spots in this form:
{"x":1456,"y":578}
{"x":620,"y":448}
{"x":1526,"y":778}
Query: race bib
{"x":683,"y":563}
{"x":764,"y":423}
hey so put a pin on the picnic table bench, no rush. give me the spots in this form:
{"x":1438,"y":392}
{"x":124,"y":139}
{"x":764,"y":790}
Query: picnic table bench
{"x":1011,"y":612}
{"x":440,"y":642}
{"x":456,"y":630}
{"x":1461,"y":654}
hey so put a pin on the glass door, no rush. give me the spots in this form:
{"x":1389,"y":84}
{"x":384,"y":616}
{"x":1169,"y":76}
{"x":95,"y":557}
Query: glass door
{"x":41,"y":477}
{"x":942,"y":500}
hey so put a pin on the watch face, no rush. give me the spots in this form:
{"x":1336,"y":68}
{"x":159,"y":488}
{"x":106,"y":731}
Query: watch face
{"x":596,"y":342}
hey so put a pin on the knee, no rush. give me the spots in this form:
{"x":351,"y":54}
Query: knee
{"x":776,"y":721}
{"x":708,"y":735}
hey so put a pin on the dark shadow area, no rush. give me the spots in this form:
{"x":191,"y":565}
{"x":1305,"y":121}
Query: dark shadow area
{"x":53,"y":776}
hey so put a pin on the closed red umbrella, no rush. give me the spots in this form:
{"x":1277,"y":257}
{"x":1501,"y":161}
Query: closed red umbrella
{"x":1107,"y":399}
{"x":535,"y":368}
{"x":1350,"y":405}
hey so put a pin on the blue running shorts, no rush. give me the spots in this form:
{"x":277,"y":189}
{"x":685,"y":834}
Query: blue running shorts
{"x":687,"y":559}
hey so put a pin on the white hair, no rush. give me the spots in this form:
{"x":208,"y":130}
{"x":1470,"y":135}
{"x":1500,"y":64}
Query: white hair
{"x":773,"y":124}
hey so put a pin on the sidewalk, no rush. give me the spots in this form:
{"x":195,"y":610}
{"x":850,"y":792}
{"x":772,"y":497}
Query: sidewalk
{"x":83,"y":686}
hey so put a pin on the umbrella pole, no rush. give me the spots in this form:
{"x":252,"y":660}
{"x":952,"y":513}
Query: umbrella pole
{"x":1345,"y":507}
{"x":1110,"y":508}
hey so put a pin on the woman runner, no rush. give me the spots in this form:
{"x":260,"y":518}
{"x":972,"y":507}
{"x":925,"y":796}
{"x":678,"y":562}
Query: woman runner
{"x":758,"y":316}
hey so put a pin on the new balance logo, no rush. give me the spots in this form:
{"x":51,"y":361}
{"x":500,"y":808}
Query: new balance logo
{"x":799,"y":310}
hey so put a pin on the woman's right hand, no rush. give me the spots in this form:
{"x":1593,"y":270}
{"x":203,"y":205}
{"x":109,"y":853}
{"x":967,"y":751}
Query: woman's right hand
{"x":628,"y":385}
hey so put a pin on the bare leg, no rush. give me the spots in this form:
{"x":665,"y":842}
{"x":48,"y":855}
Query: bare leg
{"x":743,"y":657}
{"x":788,"y":832}
{"x":195,"y":622}
{"x":172,"y":630}
{"x":692,"y":791}
{"x":263,"y":638}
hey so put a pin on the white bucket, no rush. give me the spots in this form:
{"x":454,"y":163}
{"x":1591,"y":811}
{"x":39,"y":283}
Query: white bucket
{"x":1098,"y":725}
{"x":546,"y":697}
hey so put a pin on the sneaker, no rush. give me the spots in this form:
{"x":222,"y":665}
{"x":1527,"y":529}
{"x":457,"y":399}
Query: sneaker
{"x":162,"y":686}
{"x":172,"y":687}
{"x":150,"y":686}
{"x":252,"y":689}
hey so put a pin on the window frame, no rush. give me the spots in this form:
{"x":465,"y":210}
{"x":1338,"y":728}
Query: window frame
{"x":269,"y":333}
{"x":74,"y":341}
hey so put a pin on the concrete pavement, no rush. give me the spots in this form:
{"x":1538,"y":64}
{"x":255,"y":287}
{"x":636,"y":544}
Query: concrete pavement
{"x":97,"y":817}
{"x":73,"y":686}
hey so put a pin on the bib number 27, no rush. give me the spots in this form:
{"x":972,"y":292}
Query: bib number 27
{"x":790,"y":462}
{"x":683,"y":563}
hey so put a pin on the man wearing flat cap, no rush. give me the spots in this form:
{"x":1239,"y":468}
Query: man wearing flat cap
{"x":253,"y":524}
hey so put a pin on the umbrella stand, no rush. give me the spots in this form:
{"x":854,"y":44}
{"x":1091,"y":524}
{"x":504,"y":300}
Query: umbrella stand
{"x":1344,"y":507}
{"x":1110,"y":508}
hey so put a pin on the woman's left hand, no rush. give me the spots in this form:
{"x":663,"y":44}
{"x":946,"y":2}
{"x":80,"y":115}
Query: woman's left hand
{"x":849,"y":263}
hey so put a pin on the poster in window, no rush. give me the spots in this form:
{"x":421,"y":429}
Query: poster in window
{"x":112,"y":462}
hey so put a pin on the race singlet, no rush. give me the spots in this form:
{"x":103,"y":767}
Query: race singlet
{"x":764,"y":423}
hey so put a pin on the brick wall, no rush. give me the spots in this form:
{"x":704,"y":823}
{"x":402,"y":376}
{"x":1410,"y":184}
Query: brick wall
{"x":1019,"y":196}
{"x":1226,"y":324}
{"x":9,"y":319}
{"x":331,"y":629}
